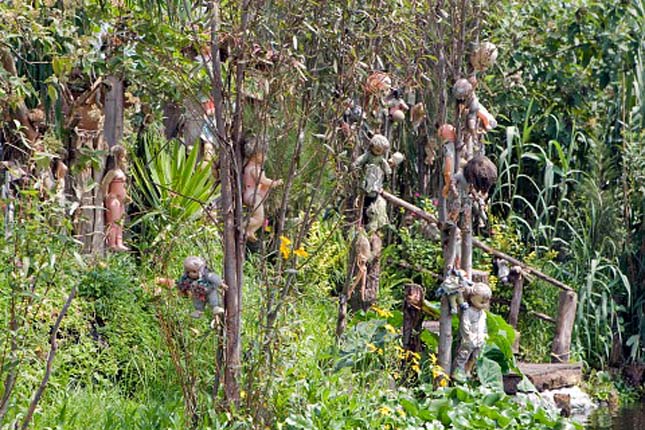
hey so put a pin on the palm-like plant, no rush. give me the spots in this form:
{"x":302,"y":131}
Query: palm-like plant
{"x":172,"y":185}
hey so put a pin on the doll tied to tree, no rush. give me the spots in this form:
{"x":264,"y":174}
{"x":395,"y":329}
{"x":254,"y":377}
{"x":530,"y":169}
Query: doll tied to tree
{"x":375,"y":168}
{"x":472,"y":329}
{"x":202,"y":285}
{"x":453,"y":286}
{"x":256,"y":185}
{"x":113,"y":190}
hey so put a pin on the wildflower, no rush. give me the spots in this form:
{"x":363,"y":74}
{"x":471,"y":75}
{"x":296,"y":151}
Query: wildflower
{"x":433,"y":359}
{"x":242,"y":394}
{"x":436,"y":372}
{"x":389,"y":328}
{"x":400,"y":411}
{"x":384,"y":410}
{"x":284,"y":247}
{"x":416,"y":368}
{"x":300,"y":252}
{"x":443,"y":382}
{"x":371,"y":347}
{"x":379,"y":351}
{"x":382,"y":312}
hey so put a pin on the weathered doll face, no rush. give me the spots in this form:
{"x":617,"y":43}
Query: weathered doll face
{"x":193,"y":267}
{"x":480,"y":302}
{"x":192,"y":274}
{"x":377,"y":150}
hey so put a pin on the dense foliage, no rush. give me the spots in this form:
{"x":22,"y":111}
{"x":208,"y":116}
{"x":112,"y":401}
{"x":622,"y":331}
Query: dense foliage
{"x":568,"y":89}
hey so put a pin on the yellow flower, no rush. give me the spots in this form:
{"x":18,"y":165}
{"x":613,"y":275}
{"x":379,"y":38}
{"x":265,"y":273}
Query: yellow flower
{"x":284,"y":247}
{"x":400,"y":411}
{"x":300,"y":252}
{"x":379,"y":351}
{"x":443,"y":382}
{"x":371,"y":347}
{"x":433,"y":359}
{"x":268,"y":229}
{"x":416,"y":368}
{"x":389,"y":328}
{"x":242,"y":394}
{"x":384,"y":410}
{"x":381,"y":312}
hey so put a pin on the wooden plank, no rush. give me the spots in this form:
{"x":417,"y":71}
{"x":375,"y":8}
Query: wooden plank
{"x":545,"y":376}
{"x":561,"y":349}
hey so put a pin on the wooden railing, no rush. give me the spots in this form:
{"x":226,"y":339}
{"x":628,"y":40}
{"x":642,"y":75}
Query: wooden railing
{"x":561,"y":347}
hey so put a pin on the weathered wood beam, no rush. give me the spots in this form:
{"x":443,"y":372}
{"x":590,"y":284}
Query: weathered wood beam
{"x":561,"y":349}
{"x":476,"y":242}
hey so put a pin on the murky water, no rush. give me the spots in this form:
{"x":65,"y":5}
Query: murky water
{"x":631,"y":417}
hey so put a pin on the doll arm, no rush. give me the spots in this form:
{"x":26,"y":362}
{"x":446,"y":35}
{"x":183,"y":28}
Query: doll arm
{"x":360,"y":161}
{"x":386,"y":166}
{"x":105,"y":183}
{"x":269,"y":182}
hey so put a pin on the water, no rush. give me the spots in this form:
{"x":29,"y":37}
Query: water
{"x":631,"y":417}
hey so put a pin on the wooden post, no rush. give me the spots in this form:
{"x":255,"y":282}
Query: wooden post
{"x":412,"y":317}
{"x":514,"y":312}
{"x":561,"y":349}
{"x":113,"y":127}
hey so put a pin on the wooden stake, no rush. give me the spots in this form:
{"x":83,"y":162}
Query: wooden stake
{"x":514,"y":312}
{"x":561,"y":349}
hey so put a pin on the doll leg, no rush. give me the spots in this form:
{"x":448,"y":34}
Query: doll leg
{"x":463,"y":305}
{"x":215,"y":302}
{"x":112,"y":215}
{"x":119,"y":237}
{"x":255,"y":222}
{"x":461,"y":358}
{"x":471,"y":360}
{"x":452,"y":299}
{"x":199,"y":307}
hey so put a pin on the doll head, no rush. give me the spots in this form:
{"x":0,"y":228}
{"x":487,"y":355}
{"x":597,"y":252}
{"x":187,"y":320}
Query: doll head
{"x":254,"y":148}
{"x":483,"y":56}
{"x":446,"y":133}
{"x":378,"y":83}
{"x":379,"y":144}
{"x":194,"y":266}
{"x":481,"y":173}
{"x":462,"y":90}
{"x":480,"y":295}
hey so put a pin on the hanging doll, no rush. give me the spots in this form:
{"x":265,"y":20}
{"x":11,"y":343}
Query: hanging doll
{"x":396,"y":106}
{"x":472,"y":328}
{"x":202,"y":285}
{"x":483,"y":56}
{"x":470,"y":186}
{"x":448,"y":136}
{"x":454,"y":286}
{"x":113,"y":190}
{"x":256,"y":186}
{"x":375,"y":168}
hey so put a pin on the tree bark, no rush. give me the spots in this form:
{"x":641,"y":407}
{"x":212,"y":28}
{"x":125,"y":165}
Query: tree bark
{"x":229,"y":172}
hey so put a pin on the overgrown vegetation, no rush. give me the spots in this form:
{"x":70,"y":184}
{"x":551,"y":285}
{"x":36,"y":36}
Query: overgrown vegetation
{"x":570,"y":201}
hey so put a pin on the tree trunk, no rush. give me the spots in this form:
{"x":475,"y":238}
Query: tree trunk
{"x":89,"y":224}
